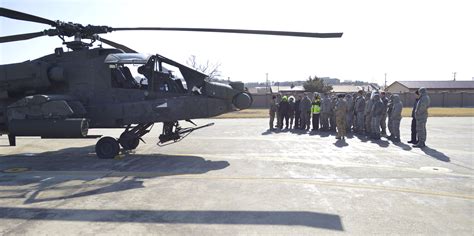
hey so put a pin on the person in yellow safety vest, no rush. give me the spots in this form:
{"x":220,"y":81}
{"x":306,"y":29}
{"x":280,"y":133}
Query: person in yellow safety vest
{"x":315,"y":110}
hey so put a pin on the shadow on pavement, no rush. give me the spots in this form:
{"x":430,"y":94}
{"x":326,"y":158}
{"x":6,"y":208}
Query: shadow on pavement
{"x":341,"y":143}
{"x":436,"y":154}
{"x":268,"y":131}
{"x":402,"y":145}
{"x":51,"y":170}
{"x":289,"y":218}
{"x":381,"y":143}
{"x":363,"y":138}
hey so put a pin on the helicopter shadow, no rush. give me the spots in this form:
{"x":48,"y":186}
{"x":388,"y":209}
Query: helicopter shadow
{"x":54,"y":172}
{"x":320,"y":133}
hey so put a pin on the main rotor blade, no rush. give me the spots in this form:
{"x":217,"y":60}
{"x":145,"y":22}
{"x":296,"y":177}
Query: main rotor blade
{"x":240,"y":31}
{"x":19,"y":37}
{"x":26,"y":17}
{"x":117,"y":45}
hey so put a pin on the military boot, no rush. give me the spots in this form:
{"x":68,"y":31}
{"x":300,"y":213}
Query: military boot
{"x":420,"y":144}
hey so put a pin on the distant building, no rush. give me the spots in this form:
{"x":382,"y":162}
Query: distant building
{"x":287,"y":89}
{"x":345,"y":88}
{"x":259,"y":90}
{"x":432,"y":86}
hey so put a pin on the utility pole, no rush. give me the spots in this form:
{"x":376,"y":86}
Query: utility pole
{"x":454,"y":76}
{"x":266,"y":81}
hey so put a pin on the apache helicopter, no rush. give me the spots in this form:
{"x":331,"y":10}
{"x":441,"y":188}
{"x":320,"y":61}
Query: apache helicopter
{"x":63,"y":94}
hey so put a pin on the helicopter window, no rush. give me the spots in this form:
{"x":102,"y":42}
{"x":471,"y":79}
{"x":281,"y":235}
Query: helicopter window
{"x":123,"y":78}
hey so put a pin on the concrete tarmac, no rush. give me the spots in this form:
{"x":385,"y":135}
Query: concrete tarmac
{"x":237,"y":177}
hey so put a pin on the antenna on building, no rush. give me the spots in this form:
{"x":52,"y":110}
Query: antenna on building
{"x":454,"y":76}
{"x":385,"y":87}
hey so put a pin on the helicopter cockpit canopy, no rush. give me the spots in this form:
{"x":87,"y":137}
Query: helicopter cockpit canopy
{"x":127,"y":58}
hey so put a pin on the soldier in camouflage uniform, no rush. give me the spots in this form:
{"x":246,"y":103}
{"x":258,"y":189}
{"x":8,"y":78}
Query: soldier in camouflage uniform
{"x":421,"y":116}
{"x":359,"y":111}
{"x":273,"y":111}
{"x":383,"y":119}
{"x":332,"y":117}
{"x":340,"y":110}
{"x":368,"y":115}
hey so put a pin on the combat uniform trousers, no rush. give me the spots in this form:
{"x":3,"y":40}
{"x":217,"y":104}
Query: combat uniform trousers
{"x":341,"y":126}
{"x":292,"y":117}
{"x":286,"y":118}
{"x":395,"y":128}
{"x":297,"y":120}
{"x":324,"y":121}
{"x":390,"y":126}
{"x":376,"y":127}
{"x":279,"y":119}
{"x":413,"y":131}
{"x":360,"y":122}
{"x":303,"y":120}
{"x":332,"y":121}
{"x":316,"y":121}
{"x":383,"y":124}
{"x":421,"y":130}
{"x":272,"y":119}
{"x":368,"y":124}
{"x":349,"y":118}
{"x":308,"y":120}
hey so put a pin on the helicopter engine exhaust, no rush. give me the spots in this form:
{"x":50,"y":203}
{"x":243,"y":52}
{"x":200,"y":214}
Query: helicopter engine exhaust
{"x":234,"y":93}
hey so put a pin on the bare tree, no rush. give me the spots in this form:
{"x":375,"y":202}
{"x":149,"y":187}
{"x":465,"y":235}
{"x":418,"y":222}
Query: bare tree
{"x":210,"y":69}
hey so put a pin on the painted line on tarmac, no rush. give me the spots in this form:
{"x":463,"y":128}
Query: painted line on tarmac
{"x":332,"y":184}
{"x":323,"y":163}
{"x":174,"y":176}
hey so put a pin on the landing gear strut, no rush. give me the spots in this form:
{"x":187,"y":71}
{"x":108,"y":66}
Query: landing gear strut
{"x":172,"y":132}
{"x":108,"y":147}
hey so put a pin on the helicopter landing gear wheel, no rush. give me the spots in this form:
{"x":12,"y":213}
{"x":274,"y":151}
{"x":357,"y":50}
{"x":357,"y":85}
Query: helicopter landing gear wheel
{"x":107,"y":148}
{"x":128,"y":143}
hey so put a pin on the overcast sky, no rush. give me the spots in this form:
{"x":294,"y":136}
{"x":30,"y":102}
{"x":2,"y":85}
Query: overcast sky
{"x":408,"y":40}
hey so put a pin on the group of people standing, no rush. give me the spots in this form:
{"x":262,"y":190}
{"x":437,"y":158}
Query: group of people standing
{"x":361,"y":113}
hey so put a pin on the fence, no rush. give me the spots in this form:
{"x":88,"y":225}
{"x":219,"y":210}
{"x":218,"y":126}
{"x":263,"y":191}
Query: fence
{"x":442,"y":99}
{"x":437,"y":99}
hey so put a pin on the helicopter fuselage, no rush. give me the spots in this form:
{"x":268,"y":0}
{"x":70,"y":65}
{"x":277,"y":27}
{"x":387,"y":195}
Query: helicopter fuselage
{"x":96,"y":85}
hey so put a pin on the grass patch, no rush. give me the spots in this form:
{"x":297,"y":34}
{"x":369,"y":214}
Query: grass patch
{"x":433,"y":112}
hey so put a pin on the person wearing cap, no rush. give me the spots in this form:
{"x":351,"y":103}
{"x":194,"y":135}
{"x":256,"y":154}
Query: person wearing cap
{"x":340,"y":110}
{"x":291,"y":101}
{"x":349,"y":113}
{"x":272,"y":111}
{"x":368,"y":115}
{"x":394,"y":118}
{"x":421,"y":116}
{"x":383,"y":119}
{"x":305,"y":109}
{"x":278,"y":118}
{"x":359,"y":111}
{"x":332,"y":118}
{"x":376,"y":112}
{"x":284,"y":111}
{"x":297,"y":113}
{"x":325,"y":112}
{"x":414,"y":139}
{"x":315,"y":111}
